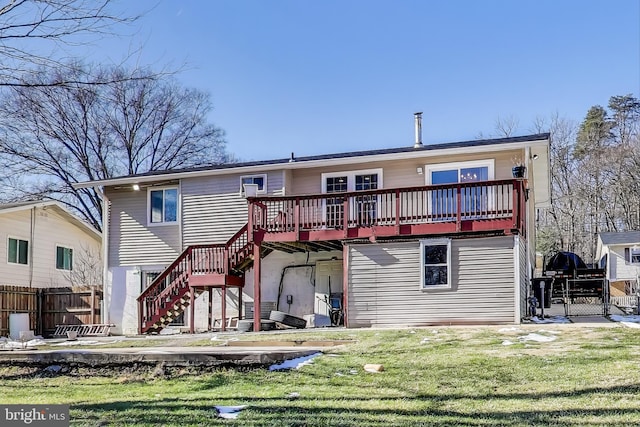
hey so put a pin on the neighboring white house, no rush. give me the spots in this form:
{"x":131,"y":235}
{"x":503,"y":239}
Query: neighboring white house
{"x":619,"y":254}
{"x":46,"y":246}
{"x":415,"y":235}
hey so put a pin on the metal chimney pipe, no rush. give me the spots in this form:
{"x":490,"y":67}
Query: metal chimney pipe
{"x":418,"y":120}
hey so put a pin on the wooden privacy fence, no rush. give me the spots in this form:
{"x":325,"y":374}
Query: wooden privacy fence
{"x":17,"y":299}
{"x":49,"y":307}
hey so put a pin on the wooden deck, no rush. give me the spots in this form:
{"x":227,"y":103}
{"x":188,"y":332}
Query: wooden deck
{"x":489,"y":206}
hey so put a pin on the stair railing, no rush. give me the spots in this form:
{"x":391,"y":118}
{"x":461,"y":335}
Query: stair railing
{"x":223,"y":259}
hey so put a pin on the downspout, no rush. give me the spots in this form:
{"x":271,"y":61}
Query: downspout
{"x":32,"y":230}
{"x":105,"y":313}
{"x":529,"y":208}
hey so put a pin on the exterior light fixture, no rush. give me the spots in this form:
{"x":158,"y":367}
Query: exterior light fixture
{"x":419,"y":171}
{"x":136,"y":187}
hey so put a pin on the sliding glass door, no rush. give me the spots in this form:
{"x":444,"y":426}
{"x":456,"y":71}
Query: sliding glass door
{"x":474,"y":199}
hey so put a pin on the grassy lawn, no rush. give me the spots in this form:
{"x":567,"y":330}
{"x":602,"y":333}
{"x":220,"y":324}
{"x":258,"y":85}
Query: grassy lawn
{"x":432,"y":377}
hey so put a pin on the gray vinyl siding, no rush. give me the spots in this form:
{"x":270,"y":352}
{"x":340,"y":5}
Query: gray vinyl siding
{"x":213,"y":208}
{"x":131,"y":241}
{"x":384,"y":284}
{"x":524,"y":275}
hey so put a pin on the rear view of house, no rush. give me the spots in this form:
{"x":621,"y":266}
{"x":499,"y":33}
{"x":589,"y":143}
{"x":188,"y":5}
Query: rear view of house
{"x":418,"y":235}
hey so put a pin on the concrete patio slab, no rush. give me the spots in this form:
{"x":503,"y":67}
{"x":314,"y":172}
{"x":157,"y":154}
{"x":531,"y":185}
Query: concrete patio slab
{"x":174,"y":356}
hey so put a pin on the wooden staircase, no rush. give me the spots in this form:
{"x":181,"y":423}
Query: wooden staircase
{"x":197,"y":268}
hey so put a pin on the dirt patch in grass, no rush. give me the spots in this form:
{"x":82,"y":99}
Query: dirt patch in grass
{"x":122,"y":373}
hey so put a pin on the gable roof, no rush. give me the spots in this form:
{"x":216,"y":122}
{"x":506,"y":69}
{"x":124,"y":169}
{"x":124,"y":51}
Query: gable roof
{"x":6,"y":208}
{"x":482,"y":145}
{"x":620,"y":238}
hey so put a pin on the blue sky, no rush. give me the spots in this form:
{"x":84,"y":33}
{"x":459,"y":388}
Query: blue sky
{"x":317,"y":77}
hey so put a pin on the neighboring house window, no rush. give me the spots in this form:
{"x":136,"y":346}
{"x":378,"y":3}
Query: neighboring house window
{"x":435,"y":256}
{"x":259,"y":180}
{"x":64,"y":258}
{"x":475,"y":201}
{"x":364,"y":208}
{"x":18,"y":252}
{"x":632,"y":255}
{"x":163,"y":205}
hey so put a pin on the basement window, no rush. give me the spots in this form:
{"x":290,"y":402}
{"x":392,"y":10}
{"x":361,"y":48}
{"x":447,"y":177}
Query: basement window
{"x":435,"y":258}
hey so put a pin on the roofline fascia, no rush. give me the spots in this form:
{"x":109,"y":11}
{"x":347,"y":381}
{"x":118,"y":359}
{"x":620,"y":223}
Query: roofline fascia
{"x":312,"y":163}
{"x":28,"y":206}
{"x":56,"y":204}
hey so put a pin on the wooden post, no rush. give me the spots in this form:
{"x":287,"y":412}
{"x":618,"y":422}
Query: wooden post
{"x":256,"y":287}
{"x":296,"y":218}
{"x":345,"y":216}
{"x":140,"y":316}
{"x":240,"y":301}
{"x":192,"y":309}
{"x":397,"y":212}
{"x":211,"y":320}
{"x":93,"y":305}
{"x":515,"y":211}
{"x":250,"y":225}
{"x":345,"y":284}
{"x":458,"y":208}
{"x":223,"y":322}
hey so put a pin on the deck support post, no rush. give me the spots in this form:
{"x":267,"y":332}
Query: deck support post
{"x":211,"y":322}
{"x":223,"y":322}
{"x":256,"y":287}
{"x":345,"y":284}
{"x":240,"y":302}
{"x":192,"y":310}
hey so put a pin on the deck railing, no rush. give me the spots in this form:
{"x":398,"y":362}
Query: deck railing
{"x":501,"y":202}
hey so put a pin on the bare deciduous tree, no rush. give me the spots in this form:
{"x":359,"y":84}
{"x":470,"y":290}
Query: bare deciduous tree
{"x":595,"y":177}
{"x":87,"y":268}
{"x":35,"y":33}
{"x":55,"y":136}
{"x":506,"y":126}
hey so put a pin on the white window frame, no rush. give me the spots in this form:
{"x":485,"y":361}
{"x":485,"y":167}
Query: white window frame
{"x":18,"y":250}
{"x":56,"y":256}
{"x":434,"y":242}
{"x":258,"y":175}
{"x":634,"y":251}
{"x":438,"y":167}
{"x":351,"y":186}
{"x":163,"y":188}
{"x":351,"y":178}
